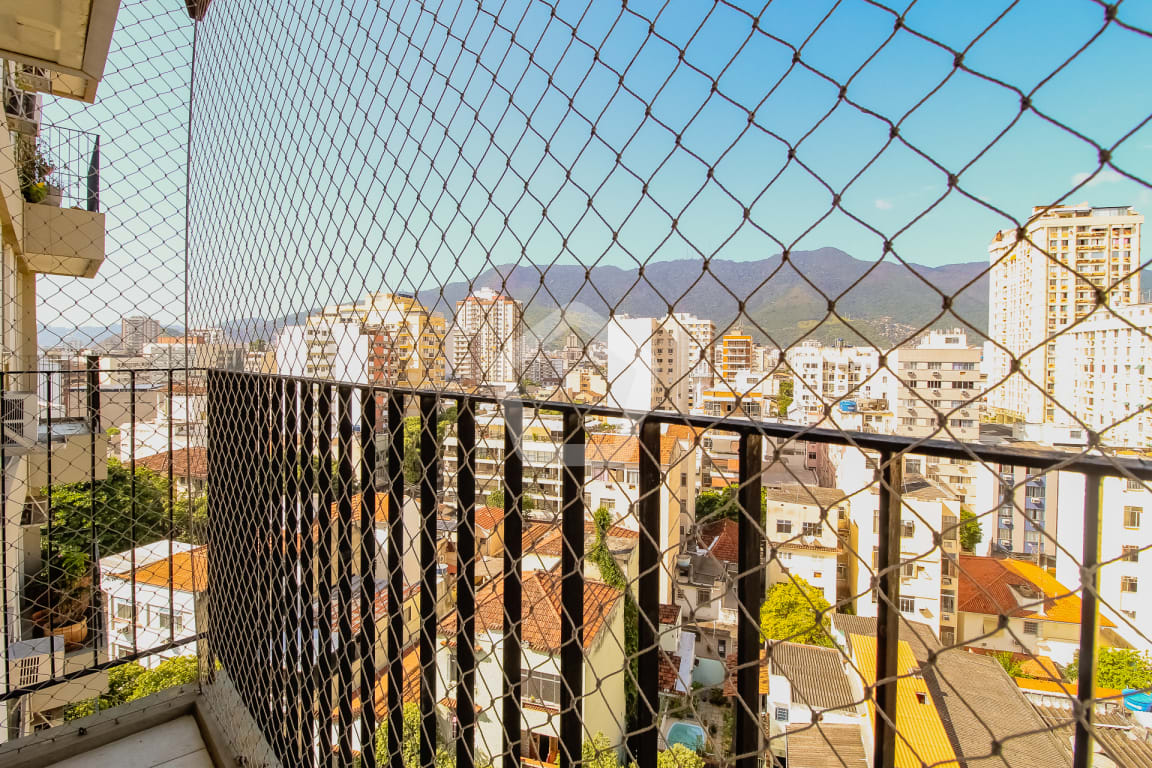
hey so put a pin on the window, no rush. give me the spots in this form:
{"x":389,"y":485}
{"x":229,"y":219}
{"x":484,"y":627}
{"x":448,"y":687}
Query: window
{"x":608,"y":503}
{"x":679,"y":593}
{"x":947,"y":603}
{"x":125,"y":610}
{"x":722,"y":647}
{"x":165,"y":620}
{"x":907,"y":604}
{"x":912,"y":466}
{"x":783,"y":526}
{"x":812,"y":529}
{"x":907,"y":529}
{"x":934,"y":384}
{"x":1132,"y":517}
{"x":934,"y":366}
{"x":683,"y":479}
{"x":908,"y":570}
{"x":781,"y":714}
{"x":1128,"y":584}
{"x":1031,"y":627}
{"x":703,"y":596}
{"x":817,"y":574}
{"x":1135,"y":485}
{"x":541,"y":686}
{"x":1131,"y":554}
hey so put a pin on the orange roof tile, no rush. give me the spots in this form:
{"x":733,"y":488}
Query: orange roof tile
{"x":189,"y":571}
{"x":726,"y":534}
{"x":357,"y":500}
{"x":986,"y":587}
{"x":185,"y":462}
{"x":607,"y":448}
{"x":489,"y":517}
{"x":548,"y":538}
{"x":1053,"y":686}
{"x":542,"y":610}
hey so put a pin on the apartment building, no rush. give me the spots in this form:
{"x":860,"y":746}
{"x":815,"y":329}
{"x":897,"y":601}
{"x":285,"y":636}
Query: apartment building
{"x":701,"y":337}
{"x":736,"y":354}
{"x":807,"y":528}
{"x":1104,"y":384}
{"x":937,"y":378}
{"x":136,"y":331}
{"x":1040,"y":285}
{"x":488,"y":340}
{"x":649,"y":364}
{"x":928,"y":571}
{"x":822,"y":376}
{"x":1125,"y":551}
{"x":407,"y":341}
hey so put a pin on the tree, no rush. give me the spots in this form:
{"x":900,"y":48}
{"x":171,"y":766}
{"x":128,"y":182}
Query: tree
{"x":410,"y":742}
{"x":725,"y":504}
{"x":970,"y":532}
{"x":413,"y":469}
{"x":496,"y":499}
{"x":1008,"y":660}
{"x":107,"y":507}
{"x":597,"y":752}
{"x":795,"y":610}
{"x":131,"y":681}
{"x":679,"y":756}
{"x":1117,"y":668}
{"x":784,"y":398}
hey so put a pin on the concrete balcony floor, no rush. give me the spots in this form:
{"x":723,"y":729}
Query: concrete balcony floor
{"x":175,"y":744}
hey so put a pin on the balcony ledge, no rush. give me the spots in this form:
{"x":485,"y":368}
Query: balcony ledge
{"x":63,"y":241}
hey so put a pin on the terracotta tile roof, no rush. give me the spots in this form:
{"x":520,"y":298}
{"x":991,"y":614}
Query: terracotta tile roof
{"x":669,"y":613}
{"x":605,"y":448}
{"x":357,"y":500}
{"x":726,"y":534}
{"x":186,"y":462}
{"x":667,"y":670}
{"x":541,"y":608}
{"x":987,"y":586}
{"x":489,"y":517}
{"x":189,"y":571}
{"x":380,"y":604}
{"x":730,"y":674}
{"x":692,"y":435}
{"x":816,"y":745}
{"x":550,"y":541}
{"x":409,"y":689}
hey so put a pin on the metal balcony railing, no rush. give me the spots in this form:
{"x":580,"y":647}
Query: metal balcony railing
{"x":74,"y":159}
{"x":294,"y":468}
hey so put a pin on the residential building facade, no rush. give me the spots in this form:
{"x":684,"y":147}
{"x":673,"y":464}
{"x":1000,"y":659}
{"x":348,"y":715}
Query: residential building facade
{"x":488,"y":340}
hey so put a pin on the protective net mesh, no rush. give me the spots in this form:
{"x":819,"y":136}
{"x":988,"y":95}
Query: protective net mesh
{"x":673,"y":384}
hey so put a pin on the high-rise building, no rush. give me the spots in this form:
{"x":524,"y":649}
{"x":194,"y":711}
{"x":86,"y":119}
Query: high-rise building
{"x":136,"y":331}
{"x":648,"y":365}
{"x":823,"y":376}
{"x":408,"y":341}
{"x":937,"y":378}
{"x":488,"y":339}
{"x":1105,"y":384}
{"x":734,"y":355}
{"x":1043,"y":283}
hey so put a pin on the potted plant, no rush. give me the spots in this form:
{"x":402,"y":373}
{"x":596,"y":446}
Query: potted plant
{"x":35,"y":172}
{"x":62,"y":593}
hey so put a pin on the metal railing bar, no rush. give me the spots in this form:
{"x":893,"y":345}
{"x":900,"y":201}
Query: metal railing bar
{"x":395,"y":580}
{"x":367,"y":526}
{"x":750,"y":594}
{"x":132,"y":512}
{"x":326,"y":657}
{"x":572,"y":592}
{"x":94,"y":611}
{"x":344,"y":530}
{"x":294,"y":542}
{"x":887,"y":608}
{"x":513,"y":545}
{"x":429,"y":482}
{"x":643,"y":742}
{"x":171,"y":502}
{"x":307,"y":585}
{"x":466,"y":583}
{"x":1082,"y":749}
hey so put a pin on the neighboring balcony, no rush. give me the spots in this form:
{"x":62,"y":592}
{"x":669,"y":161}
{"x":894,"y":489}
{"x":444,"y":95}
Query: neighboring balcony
{"x":63,"y":231}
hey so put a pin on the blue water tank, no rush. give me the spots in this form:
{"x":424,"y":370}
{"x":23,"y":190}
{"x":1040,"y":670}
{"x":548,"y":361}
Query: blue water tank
{"x":1137,"y":700}
{"x":848,"y":406}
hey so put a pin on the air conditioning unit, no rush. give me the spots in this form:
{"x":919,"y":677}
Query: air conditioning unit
{"x":31,"y":661}
{"x":18,"y":420}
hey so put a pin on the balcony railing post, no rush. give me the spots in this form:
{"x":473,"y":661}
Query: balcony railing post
{"x":572,"y":590}
{"x":395,"y":579}
{"x":750,"y":593}
{"x":326,"y":455}
{"x":308,"y":535}
{"x":466,"y":582}
{"x":888,"y":606}
{"x":93,"y":178}
{"x":344,"y":567}
{"x":513,"y":584}
{"x":95,"y":614}
{"x":644,"y":742}
{"x":367,"y":578}
{"x":294,"y":545}
{"x":429,"y":483}
{"x":1082,"y":752}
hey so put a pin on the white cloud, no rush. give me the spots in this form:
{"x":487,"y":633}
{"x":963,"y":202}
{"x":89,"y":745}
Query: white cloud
{"x":882,"y":204}
{"x":1106,"y":176}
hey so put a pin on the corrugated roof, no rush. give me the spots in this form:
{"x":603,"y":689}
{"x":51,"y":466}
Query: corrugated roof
{"x":803,"y":493}
{"x":816,"y":675}
{"x":821,"y":745}
{"x":1115,"y":737}
{"x":185,"y":462}
{"x":922,"y":738}
{"x":990,"y":585}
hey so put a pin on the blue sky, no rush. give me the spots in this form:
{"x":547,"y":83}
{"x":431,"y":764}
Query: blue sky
{"x":363,"y":146}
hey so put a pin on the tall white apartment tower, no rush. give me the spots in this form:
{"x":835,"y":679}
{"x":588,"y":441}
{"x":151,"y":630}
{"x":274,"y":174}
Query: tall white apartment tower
{"x":138,"y":330}
{"x":1043,"y":283}
{"x":489,"y":339}
{"x":647,"y":367}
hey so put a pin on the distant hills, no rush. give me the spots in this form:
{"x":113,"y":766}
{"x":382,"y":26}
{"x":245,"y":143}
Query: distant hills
{"x":783,"y":299}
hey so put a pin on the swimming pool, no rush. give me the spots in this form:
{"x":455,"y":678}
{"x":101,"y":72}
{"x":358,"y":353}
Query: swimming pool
{"x":690,"y":735}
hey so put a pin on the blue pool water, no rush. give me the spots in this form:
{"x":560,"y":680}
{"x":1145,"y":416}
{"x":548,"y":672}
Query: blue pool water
{"x":688,"y":734}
